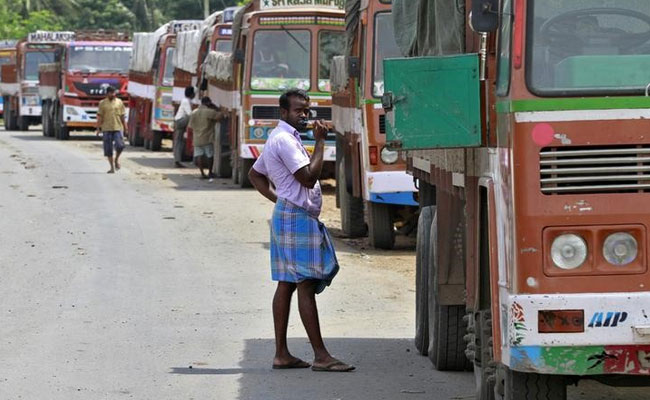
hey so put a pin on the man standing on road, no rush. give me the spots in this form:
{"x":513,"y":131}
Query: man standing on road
{"x":110,"y":122}
{"x":181,"y":120}
{"x":202,"y":122}
{"x":302,"y":254}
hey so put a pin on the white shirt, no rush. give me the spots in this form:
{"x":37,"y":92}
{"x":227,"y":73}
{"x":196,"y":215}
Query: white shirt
{"x":184,"y":110}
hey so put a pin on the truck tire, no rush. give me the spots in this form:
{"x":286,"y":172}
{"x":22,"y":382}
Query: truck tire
{"x":45,"y":111}
{"x":484,"y":367}
{"x":23,"y":123}
{"x":156,"y":142}
{"x":422,"y":260}
{"x":381,"y":230}
{"x":222,"y":166}
{"x":10,"y":115}
{"x":352,"y":220}
{"x":48,"y":119}
{"x":235,"y":167}
{"x":447,"y":327}
{"x":245,"y":165}
{"x":529,"y":386}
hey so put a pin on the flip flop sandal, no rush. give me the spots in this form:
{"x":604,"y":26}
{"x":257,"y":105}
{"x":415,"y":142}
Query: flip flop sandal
{"x":294,"y":365}
{"x":334,"y":366}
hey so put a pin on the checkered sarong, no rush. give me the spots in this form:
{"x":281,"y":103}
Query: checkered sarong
{"x":301,"y":247}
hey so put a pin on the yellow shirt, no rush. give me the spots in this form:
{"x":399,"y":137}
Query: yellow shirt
{"x":111,"y":113}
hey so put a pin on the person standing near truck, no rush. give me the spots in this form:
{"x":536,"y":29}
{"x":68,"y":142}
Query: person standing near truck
{"x":181,"y":121}
{"x":110,"y":122}
{"x":203,"y":121}
{"x":302,"y":253}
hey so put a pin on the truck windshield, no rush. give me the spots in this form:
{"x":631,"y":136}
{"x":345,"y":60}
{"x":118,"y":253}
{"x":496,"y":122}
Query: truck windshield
{"x":588,"y":47}
{"x":385,"y":47}
{"x":93,"y":58}
{"x":168,"y":73}
{"x":33,"y":59}
{"x":330,"y":44}
{"x":224,"y":46}
{"x":281,"y":60}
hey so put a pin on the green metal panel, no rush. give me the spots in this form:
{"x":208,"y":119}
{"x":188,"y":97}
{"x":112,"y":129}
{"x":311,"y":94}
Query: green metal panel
{"x":435,"y":102}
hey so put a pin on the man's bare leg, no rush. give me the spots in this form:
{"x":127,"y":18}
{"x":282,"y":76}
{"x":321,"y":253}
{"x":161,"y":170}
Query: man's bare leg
{"x":200,"y":164}
{"x":309,"y":317}
{"x":117,"y":158}
{"x":110,"y":162}
{"x":281,"y":309}
{"x":209,"y":167}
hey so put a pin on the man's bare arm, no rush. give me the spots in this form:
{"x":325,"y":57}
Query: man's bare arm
{"x":309,"y":174}
{"x":262,"y":184}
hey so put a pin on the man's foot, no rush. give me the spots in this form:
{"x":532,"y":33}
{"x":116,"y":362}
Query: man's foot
{"x":110,"y":171}
{"x":204,"y":176}
{"x":333,"y":365}
{"x":117,"y":166}
{"x":290,"y":363}
{"x":178,"y":165}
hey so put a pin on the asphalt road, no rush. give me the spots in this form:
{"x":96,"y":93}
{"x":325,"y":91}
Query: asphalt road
{"x":152,"y":284}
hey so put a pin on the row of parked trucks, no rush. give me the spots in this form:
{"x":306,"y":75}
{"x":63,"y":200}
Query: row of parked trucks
{"x":515,"y":131}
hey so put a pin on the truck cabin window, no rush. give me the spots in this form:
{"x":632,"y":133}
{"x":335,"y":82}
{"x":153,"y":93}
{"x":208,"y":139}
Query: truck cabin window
{"x":330,"y":44}
{"x":94,"y":58}
{"x":224,"y":46}
{"x":385,"y":47}
{"x":33,"y":59}
{"x":588,"y":46}
{"x":281,"y":60}
{"x":168,"y":73}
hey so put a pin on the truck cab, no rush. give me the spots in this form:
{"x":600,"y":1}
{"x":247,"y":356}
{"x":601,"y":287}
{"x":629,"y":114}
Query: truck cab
{"x":7,"y":57}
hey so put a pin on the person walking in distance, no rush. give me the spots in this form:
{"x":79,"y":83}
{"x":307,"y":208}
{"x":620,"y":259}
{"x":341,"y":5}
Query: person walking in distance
{"x":181,"y":120}
{"x":110,"y":122}
{"x":302,"y":253}
{"x":203,"y":121}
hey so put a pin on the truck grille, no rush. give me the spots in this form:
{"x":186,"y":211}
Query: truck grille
{"x":382,"y":124}
{"x":272,"y":112}
{"x":572,"y":170}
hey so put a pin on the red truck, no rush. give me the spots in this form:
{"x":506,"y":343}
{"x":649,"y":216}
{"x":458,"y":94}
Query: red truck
{"x":7,"y":56}
{"x":73,"y":85}
{"x":151,"y":81}
{"x":22,"y":102}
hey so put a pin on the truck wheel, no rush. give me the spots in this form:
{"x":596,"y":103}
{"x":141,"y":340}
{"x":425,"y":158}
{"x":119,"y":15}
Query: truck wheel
{"x":381,"y":229}
{"x":223,"y":168}
{"x":10,"y":115}
{"x":422,"y":268}
{"x":48,"y":119}
{"x":45,"y":112}
{"x":484,"y":367}
{"x":235,"y":168}
{"x":528,"y":386}
{"x":156,"y":142}
{"x":352,"y":220}
{"x":135,"y":139}
{"x":147,"y":144}
{"x":245,"y":165}
{"x":447,"y":327}
{"x":23,"y":123}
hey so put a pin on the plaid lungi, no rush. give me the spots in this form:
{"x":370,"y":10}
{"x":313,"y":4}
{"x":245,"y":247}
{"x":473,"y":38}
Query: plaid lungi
{"x":301,"y":247}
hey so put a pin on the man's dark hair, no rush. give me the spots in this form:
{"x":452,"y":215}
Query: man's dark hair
{"x":110,"y":89}
{"x":189,"y":91}
{"x":284,"y":98}
{"x":206,"y":101}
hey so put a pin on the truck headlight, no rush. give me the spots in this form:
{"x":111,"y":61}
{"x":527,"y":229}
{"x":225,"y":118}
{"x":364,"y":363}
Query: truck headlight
{"x":620,"y":248}
{"x":568,"y":251}
{"x":389,"y":156}
{"x":258,"y":133}
{"x":71,"y":111}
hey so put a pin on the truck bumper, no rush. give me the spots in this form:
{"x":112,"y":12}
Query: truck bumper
{"x":613,"y":337}
{"x":253,"y":151}
{"x":82,"y":117}
{"x":30,"y":111}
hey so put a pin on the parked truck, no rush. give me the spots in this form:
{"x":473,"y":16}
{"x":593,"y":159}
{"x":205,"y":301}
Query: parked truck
{"x":22,"y":102}
{"x":151,"y":82}
{"x":73,"y":85}
{"x":528,"y":132}
{"x":7,"y":57}
{"x":277,"y":46}
{"x":368,"y":174}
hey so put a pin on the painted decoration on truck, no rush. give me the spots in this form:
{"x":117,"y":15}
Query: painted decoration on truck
{"x":518,"y":324}
{"x":269,"y":4}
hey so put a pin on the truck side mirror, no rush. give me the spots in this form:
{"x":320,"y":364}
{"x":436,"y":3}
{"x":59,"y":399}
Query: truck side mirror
{"x":484,"y":16}
{"x":354,"y":70}
{"x":239,"y":56}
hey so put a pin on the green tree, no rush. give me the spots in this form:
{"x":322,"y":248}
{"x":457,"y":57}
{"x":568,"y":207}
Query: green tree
{"x":14,"y":26}
{"x":107,"y":14}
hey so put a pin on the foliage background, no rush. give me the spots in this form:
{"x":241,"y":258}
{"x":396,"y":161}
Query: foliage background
{"x":19,"y":17}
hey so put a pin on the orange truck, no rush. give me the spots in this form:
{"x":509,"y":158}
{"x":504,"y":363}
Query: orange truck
{"x":192,"y":50}
{"x":369,"y":175}
{"x":279,"y":45}
{"x":7,"y":57}
{"x":151,"y":84}
{"x":22,"y":101}
{"x":73,"y":85}
{"x":528,"y":132}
